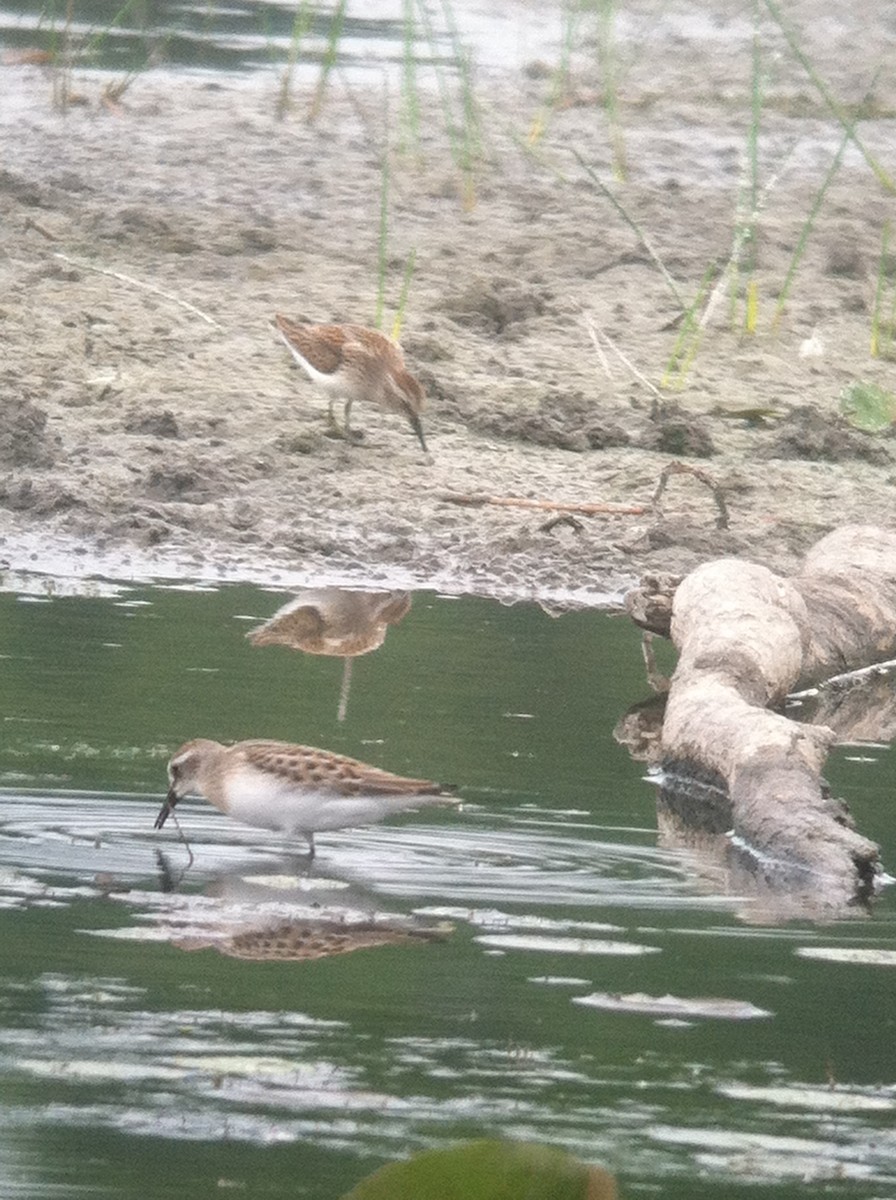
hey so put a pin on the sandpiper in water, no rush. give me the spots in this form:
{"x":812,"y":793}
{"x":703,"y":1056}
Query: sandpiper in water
{"x":296,"y":790}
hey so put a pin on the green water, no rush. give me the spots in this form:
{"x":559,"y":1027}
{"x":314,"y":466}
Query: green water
{"x":136,"y":35}
{"x":132,"y":1066}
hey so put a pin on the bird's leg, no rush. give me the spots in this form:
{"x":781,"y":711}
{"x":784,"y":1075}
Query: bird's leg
{"x":417,"y":427}
{"x":332,"y":422}
{"x":349,"y":436}
{"x":344,"y":431}
{"x":309,"y":838}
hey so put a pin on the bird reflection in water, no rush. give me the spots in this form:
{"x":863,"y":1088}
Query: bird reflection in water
{"x":334,"y":621}
{"x":275,"y":914}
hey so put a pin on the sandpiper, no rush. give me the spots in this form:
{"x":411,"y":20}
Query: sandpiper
{"x":292,"y":789}
{"x":355,"y":363}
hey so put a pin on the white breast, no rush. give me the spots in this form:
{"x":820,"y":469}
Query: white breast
{"x":259,"y":798}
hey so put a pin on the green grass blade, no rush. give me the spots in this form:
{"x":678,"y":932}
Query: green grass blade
{"x":471,"y":131}
{"x":806,"y":231}
{"x":570,"y":16}
{"x":832,"y":103}
{"x":331,"y":54}
{"x":689,"y":336}
{"x":633,"y":225}
{"x":606,"y":46}
{"x":300,"y":27}
{"x":405,"y":290}
{"x":382,"y":248}
{"x":97,"y":38}
{"x":755,"y":125}
{"x":755,"y":110}
{"x":809,"y":223}
{"x":879,"y":340}
{"x":410,"y":99}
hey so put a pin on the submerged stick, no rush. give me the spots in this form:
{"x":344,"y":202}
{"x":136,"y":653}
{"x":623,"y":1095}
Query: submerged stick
{"x":183,"y":838}
{"x":874,"y":671}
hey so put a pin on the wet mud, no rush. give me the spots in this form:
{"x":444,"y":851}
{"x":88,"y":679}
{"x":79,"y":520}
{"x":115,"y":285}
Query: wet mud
{"x":152,"y":422}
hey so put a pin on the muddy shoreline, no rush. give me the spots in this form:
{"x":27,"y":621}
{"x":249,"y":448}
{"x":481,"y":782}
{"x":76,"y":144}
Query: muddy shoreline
{"x":154,"y":426}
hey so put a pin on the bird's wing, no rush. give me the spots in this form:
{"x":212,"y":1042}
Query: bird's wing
{"x":301,"y":627}
{"x":336,"y":772}
{"x":372,"y":345}
{"x":322,"y":345}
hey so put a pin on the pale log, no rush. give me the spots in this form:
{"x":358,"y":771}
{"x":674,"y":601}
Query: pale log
{"x":746,"y":638}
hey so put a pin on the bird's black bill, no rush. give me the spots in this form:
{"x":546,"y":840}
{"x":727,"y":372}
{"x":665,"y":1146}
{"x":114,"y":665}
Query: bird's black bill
{"x":418,"y":429}
{"x":167,"y":809}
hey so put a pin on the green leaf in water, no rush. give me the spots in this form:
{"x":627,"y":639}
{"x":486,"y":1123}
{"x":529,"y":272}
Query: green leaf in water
{"x":868,"y":406}
{"x":488,"y":1170}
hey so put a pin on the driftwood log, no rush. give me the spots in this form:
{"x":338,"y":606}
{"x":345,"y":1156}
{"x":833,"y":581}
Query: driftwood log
{"x":746,"y":639}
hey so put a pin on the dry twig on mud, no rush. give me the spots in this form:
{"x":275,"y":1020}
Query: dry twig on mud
{"x":596,"y":334}
{"x":584,"y":510}
{"x":139,"y":283}
{"x":30,"y":223}
{"x":680,"y":468}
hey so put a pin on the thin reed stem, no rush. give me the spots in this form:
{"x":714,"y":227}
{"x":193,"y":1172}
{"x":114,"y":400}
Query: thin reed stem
{"x":464,"y":129}
{"x":331,"y":54}
{"x":832,"y":103}
{"x":382,"y":247}
{"x":881,"y":330}
{"x":809,"y":223}
{"x":690,"y":334}
{"x":300,"y":26}
{"x":806,"y":231}
{"x":405,"y":291}
{"x":606,"y":44}
{"x":633,"y":225}
{"x":410,"y":106}
{"x":753,"y":135}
